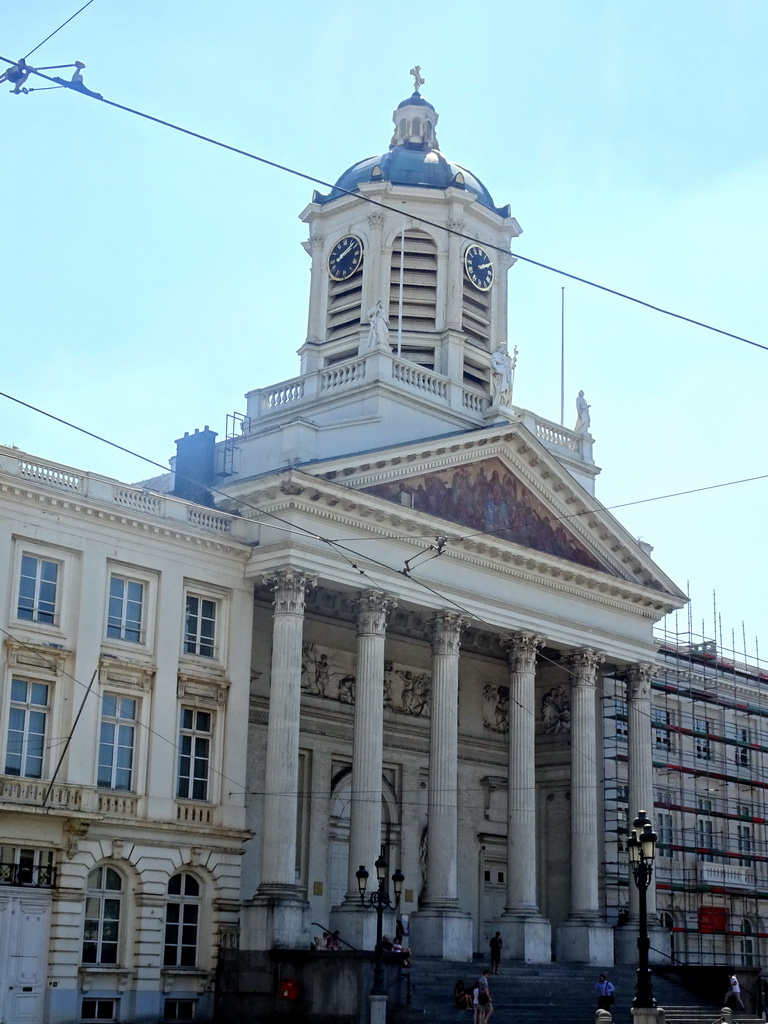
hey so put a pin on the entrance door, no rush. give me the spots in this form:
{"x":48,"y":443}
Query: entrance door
{"x":493,"y":894}
{"x":24,"y":926}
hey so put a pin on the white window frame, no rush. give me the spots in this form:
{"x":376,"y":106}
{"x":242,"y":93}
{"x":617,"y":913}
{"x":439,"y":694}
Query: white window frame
{"x":62,"y":606}
{"x":27,"y":707}
{"x":194,"y":734}
{"x":119,"y":722}
{"x":132,"y":574}
{"x":187,"y":904}
{"x":221,"y":600}
{"x":101,"y":1019}
{"x":101,"y":894}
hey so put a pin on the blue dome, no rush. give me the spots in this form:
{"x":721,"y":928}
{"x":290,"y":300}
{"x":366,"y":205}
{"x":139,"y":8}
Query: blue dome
{"x":418,"y":166}
{"x":417,"y":100}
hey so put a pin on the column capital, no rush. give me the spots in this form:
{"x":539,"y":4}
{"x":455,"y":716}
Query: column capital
{"x":289,"y":586}
{"x":446,"y":632}
{"x":639,"y":679}
{"x":584,"y":664}
{"x":522,"y":649}
{"x":373,"y":606}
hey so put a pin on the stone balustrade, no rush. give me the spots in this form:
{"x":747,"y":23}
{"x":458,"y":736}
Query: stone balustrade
{"x":20,"y":470}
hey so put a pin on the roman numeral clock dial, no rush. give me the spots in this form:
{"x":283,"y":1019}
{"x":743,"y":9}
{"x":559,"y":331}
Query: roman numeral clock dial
{"x":479,"y":267}
{"x":345,"y":257}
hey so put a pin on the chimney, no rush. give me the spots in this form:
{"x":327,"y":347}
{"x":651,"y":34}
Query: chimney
{"x":195,"y":461}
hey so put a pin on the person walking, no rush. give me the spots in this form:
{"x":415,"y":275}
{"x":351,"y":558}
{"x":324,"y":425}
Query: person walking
{"x":496,"y":943}
{"x":484,"y":997}
{"x":733,"y":995}
{"x":604,"y":990}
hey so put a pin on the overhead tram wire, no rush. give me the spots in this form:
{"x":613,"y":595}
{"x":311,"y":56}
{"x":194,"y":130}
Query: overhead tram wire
{"x":56,"y":30}
{"x":415,"y":217}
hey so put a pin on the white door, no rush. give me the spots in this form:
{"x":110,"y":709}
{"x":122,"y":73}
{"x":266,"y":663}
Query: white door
{"x":24,"y":926}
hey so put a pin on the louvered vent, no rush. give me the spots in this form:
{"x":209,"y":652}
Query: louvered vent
{"x":344,"y":300}
{"x":419,"y":283}
{"x":477,"y":315}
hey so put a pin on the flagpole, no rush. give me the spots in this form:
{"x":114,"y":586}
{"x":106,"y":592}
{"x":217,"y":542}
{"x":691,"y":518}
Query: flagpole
{"x":562,"y":357}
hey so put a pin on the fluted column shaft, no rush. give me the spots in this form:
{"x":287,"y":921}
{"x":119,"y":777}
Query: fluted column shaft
{"x":443,"y":806}
{"x":584,"y":824}
{"x":640,"y":765}
{"x":282,"y":770}
{"x":367,"y":745}
{"x":521,"y":799}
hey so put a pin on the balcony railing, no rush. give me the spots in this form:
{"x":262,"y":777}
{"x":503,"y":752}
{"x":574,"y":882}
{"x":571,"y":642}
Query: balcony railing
{"x":119,"y":496}
{"x":41,"y":876}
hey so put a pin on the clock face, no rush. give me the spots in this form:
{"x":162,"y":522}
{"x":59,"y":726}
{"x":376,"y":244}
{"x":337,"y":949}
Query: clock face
{"x":345,"y":257}
{"x":479,"y":267}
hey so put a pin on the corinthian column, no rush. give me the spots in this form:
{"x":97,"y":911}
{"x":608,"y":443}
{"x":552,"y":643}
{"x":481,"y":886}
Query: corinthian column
{"x":442,"y":801}
{"x":584,"y":824}
{"x":278,"y":871}
{"x":521,"y":800}
{"x":365,"y":807}
{"x":440,"y":928}
{"x":639,"y":680}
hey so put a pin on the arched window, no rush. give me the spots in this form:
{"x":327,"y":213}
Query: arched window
{"x":416,"y":126}
{"x":103,"y":904}
{"x":182,"y":921}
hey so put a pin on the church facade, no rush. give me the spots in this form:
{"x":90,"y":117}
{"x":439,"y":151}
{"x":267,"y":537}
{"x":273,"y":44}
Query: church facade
{"x":379,"y":620}
{"x":438,"y":593}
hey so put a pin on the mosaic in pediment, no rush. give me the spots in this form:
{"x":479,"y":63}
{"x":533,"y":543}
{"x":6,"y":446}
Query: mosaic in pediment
{"x":489,"y":499}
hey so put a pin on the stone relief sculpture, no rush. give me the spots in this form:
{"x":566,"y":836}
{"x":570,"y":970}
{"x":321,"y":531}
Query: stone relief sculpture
{"x":496,"y":707}
{"x":583,"y":418}
{"x":331,"y":675}
{"x":556,"y":711}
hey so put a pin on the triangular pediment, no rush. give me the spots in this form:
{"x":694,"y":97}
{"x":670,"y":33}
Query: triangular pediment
{"x":489,"y":497}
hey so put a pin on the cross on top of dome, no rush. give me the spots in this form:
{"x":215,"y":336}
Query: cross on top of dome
{"x":417,"y":79}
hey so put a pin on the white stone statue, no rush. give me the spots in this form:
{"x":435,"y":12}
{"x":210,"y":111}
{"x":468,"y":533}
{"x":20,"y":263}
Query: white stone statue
{"x":582,"y":415}
{"x":502,"y":376}
{"x":378,"y":336}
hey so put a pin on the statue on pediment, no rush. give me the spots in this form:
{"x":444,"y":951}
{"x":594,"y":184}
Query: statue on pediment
{"x":502,"y":375}
{"x":582,"y":415}
{"x":378,"y":334}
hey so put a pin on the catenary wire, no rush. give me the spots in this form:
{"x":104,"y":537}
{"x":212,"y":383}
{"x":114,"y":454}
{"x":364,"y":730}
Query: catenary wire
{"x":57,"y":29}
{"x":415,"y":217}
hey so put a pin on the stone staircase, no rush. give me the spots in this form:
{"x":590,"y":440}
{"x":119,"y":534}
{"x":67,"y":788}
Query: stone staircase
{"x":554,"y":993}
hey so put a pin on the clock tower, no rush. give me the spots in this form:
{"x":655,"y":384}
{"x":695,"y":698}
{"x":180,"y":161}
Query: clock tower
{"x":427,"y":259}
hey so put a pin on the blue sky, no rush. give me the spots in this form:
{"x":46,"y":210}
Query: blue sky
{"x":150,"y":280}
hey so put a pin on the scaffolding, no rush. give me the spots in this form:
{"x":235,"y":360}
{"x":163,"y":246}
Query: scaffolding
{"x":709,"y":732}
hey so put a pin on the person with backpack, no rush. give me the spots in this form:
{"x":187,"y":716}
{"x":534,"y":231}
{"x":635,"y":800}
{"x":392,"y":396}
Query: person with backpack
{"x":604,"y":990}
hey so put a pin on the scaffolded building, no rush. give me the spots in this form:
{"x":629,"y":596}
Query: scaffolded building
{"x":709,"y":733}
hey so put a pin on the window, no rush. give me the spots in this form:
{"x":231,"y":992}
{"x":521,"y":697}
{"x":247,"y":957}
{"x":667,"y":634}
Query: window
{"x":747,"y":945}
{"x":182,"y":919}
{"x":703,"y":749}
{"x":661,"y":735}
{"x":742,"y":751}
{"x":102,"y":917}
{"x":194,"y":754}
{"x":200,"y":626}
{"x":38,"y":580}
{"x":179,"y":1009}
{"x":26,"y":866}
{"x":116,"y":742}
{"x":99,"y":1009}
{"x":26,"y":729}
{"x":744,"y":838}
{"x":126,"y":610}
{"x":704,"y":833}
{"x":664,"y":826}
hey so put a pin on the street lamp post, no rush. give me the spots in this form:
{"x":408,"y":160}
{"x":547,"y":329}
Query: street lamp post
{"x":381,"y":901}
{"x":642,"y":849}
